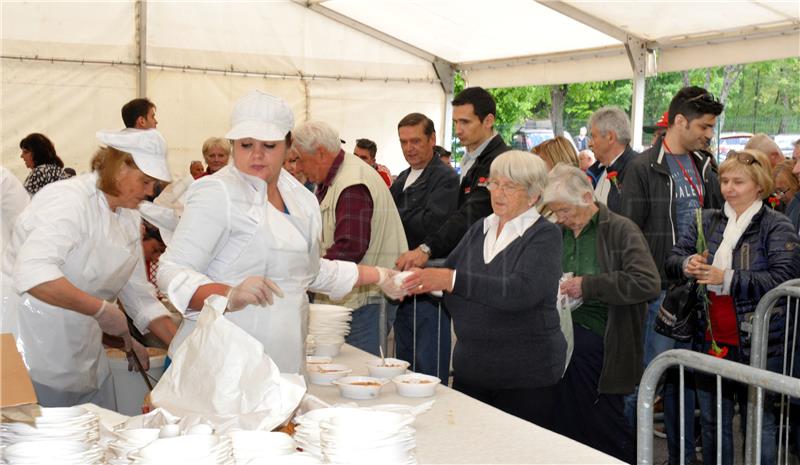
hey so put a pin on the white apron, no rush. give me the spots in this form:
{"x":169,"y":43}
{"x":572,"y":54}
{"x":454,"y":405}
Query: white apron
{"x":63,"y":349}
{"x":290,"y":259}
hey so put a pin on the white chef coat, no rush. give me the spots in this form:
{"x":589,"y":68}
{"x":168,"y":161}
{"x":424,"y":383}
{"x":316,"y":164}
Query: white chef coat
{"x":228,"y":232}
{"x":14,"y":199}
{"x":69,"y":231}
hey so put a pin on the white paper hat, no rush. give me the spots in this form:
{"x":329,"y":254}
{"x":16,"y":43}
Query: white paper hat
{"x":147,"y":147}
{"x":261,"y":116}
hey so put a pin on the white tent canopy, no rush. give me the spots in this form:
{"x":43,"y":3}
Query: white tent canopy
{"x":360,"y":65}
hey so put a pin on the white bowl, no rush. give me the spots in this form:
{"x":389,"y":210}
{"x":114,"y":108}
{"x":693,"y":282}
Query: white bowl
{"x":360,"y":387}
{"x":394,"y":367}
{"x":324,"y":374}
{"x":416,"y":385}
{"x":327,"y":349}
{"x":316,"y":360}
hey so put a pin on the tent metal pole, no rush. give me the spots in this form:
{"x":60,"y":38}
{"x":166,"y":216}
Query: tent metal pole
{"x":447,"y":76}
{"x":141,"y":20}
{"x":637,"y":53}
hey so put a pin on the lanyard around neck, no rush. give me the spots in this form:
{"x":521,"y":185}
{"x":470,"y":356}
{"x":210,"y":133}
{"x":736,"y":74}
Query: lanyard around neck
{"x":686,"y":174}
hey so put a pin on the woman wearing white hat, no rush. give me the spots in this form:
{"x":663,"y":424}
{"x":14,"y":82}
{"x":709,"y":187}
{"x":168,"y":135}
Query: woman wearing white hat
{"x":252,"y":233}
{"x":74,"y":250}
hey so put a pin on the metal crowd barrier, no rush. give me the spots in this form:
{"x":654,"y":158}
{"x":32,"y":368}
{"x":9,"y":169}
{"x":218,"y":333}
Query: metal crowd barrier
{"x":762,"y":379}
{"x":768,"y":306}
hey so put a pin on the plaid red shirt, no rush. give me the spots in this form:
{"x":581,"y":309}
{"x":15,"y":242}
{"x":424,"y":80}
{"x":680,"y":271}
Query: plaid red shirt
{"x":353,"y":227}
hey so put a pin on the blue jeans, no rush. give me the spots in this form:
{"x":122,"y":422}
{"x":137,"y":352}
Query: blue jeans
{"x":655,"y":344}
{"x":364,"y":333}
{"x":732,"y":393}
{"x":432,"y":336}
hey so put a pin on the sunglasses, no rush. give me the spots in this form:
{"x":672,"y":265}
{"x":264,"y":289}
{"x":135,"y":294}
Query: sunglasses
{"x":707,"y":97}
{"x":742,"y":157}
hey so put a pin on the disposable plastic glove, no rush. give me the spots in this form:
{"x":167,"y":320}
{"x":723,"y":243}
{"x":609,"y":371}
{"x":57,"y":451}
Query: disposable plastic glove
{"x":255,"y":290}
{"x":112,"y":321}
{"x":141,"y":354}
{"x":387,"y":283}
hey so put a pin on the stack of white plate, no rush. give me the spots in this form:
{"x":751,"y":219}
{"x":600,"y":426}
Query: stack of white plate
{"x":127,"y":441}
{"x":66,"y":434}
{"x":193,"y":449}
{"x":307,"y":432}
{"x":328,"y":325}
{"x":357,"y":436}
{"x":368,"y":437}
{"x":252,"y":445}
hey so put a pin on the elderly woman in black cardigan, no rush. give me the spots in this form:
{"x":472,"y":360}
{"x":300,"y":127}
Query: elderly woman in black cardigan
{"x":615,"y":276}
{"x":500,"y":285}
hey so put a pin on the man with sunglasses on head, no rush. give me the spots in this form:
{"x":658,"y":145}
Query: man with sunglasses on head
{"x":663,"y":188}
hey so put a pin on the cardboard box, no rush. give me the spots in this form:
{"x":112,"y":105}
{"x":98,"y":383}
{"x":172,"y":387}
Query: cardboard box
{"x":16,"y":387}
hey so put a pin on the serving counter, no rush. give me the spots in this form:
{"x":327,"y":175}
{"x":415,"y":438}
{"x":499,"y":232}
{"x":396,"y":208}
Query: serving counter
{"x":457,"y":429}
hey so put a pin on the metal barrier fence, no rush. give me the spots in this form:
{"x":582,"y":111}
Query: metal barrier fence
{"x":767,"y":306}
{"x":705,"y":363}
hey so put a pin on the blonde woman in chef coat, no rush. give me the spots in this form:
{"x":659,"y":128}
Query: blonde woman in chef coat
{"x":74,"y":250}
{"x":252,"y":233}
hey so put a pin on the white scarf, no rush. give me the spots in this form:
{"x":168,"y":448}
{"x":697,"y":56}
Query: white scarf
{"x":723,"y":258}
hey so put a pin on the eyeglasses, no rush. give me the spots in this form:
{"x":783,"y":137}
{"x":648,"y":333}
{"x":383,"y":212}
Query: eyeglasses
{"x":493,"y":185}
{"x":781,"y":190}
{"x":743,"y":157}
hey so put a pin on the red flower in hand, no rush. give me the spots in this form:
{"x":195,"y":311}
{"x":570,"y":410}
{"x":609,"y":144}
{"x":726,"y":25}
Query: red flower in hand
{"x":717,"y":351}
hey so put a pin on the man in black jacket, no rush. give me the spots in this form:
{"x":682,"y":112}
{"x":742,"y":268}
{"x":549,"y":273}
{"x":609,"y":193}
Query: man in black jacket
{"x":610,"y":132}
{"x":663,"y":188}
{"x":425,"y":194}
{"x":474,"y":112}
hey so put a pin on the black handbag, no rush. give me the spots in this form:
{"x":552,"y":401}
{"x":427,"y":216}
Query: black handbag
{"x":677,"y":315}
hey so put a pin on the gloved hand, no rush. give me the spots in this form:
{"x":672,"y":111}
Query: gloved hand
{"x":388,"y":285}
{"x":112,"y":321}
{"x":141,"y":354}
{"x":255,"y":290}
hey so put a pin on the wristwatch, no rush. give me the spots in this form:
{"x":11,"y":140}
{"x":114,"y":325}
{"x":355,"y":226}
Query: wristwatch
{"x":425,"y":249}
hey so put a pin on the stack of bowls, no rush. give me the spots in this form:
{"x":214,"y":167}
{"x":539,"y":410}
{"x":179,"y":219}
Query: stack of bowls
{"x":193,"y":449}
{"x":252,"y":445}
{"x":328,"y":325}
{"x":65,"y":434}
{"x":368,"y":437}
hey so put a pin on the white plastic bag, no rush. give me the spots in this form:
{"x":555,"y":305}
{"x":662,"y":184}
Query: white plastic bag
{"x":220,"y":374}
{"x":566,"y":305}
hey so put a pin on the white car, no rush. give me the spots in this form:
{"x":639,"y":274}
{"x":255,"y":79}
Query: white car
{"x":786,"y":143}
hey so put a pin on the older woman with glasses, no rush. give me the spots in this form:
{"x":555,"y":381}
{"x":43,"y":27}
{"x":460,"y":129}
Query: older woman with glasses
{"x":751,"y":250}
{"x":500,"y":285}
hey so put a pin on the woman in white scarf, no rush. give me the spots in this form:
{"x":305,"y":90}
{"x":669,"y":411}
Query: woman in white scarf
{"x":751,"y":250}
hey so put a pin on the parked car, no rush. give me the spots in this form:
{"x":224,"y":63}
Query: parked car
{"x":731,"y":141}
{"x":526,"y":139}
{"x":786,"y":143}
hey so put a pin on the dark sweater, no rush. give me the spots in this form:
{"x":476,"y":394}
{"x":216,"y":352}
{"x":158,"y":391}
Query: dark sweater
{"x":504,"y":312}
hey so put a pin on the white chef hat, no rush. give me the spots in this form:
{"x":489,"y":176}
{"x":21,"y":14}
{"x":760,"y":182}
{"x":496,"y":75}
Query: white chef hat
{"x":147,"y":147}
{"x":261,"y":116}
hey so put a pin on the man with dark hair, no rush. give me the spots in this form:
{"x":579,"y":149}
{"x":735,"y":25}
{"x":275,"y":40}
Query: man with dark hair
{"x":425,"y":194}
{"x":443,"y":154}
{"x":474,"y":112}
{"x":663,"y":188}
{"x":366,"y":150}
{"x":139,"y":113}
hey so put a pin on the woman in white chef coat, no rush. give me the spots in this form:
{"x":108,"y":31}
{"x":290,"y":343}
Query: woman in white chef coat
{"x":74,"y":250}
{"x":252,"y":233}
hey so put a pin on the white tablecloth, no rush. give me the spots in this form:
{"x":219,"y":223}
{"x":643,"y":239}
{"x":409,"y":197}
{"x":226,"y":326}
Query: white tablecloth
{"x":458,"y":429}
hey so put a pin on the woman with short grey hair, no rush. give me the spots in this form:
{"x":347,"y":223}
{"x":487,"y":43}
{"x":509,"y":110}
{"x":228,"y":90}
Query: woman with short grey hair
{"x":614,"y":277}
{"x":500,"y":286}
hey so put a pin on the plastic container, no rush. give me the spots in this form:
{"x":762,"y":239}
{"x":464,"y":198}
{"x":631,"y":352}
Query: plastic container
{"x":129,"y":386}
